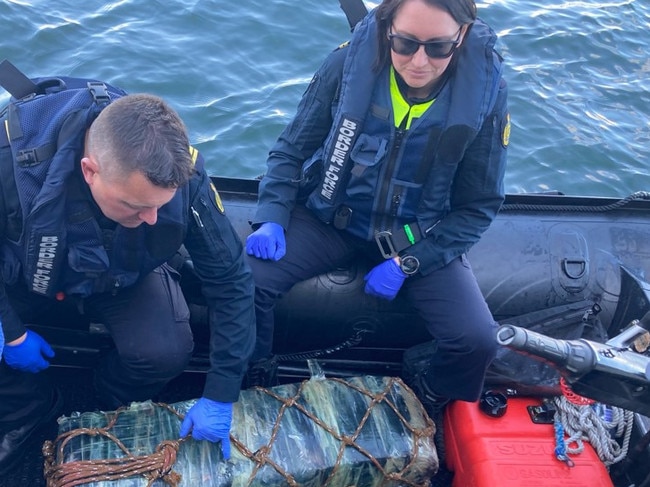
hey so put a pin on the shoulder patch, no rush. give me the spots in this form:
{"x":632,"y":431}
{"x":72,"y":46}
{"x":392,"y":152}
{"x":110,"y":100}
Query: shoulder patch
{"x":194,"y":154}
{"x":505,"y":130}
{"x":217,"y":198}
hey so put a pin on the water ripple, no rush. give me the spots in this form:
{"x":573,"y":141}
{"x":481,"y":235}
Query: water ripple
{"x":577,"y":74}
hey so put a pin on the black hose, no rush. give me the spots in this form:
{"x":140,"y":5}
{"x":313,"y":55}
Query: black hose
{"x":350,"y":342}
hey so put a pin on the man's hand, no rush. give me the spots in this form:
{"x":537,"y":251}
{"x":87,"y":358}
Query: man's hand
{"x":385,"y":280}
{"x":209,"y":420}
{"x":28,"y":353}
{"x":267,"y":242}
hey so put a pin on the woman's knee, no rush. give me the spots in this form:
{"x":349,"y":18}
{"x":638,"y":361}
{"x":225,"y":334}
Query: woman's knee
{"x":481,"y":340}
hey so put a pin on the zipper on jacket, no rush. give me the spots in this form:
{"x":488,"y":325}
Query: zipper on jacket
{"x":197,"y":218}
{"x":116,"y":287}
{"x":394,"y":207}
{"x":388,"y":175}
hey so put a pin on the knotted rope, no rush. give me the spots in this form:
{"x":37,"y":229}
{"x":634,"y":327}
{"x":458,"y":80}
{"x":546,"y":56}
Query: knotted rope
{"x":157,"y":465}
{"x":392,"y":402}
{"x":583,"y":422}
{"x":261,"y":456}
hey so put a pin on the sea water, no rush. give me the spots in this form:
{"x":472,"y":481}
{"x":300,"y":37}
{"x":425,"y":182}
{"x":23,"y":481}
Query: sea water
{"x":578,"y":73}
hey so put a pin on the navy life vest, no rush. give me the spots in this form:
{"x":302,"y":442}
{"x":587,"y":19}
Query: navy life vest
{"x":363,"y":138}
{"x":51,"y":235}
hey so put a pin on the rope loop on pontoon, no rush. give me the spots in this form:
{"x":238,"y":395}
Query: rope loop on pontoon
{"x":639,"y":195}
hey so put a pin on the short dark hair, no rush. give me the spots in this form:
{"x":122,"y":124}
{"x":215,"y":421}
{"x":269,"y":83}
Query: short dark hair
{"x":142,"y":133}
{"x":462,"y":11}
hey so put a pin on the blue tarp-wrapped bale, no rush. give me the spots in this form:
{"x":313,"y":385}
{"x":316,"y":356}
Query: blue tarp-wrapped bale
{"x":365,"y":431}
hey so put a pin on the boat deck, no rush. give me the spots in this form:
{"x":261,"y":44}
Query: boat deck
{"x":74,"y":383}
{"x":74,"y":386}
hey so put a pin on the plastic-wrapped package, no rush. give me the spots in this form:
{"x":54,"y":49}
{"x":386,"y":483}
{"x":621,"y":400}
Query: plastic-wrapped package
{"x":364,"y":431}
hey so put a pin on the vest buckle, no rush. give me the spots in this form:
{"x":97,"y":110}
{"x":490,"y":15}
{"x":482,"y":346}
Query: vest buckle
{"x":385,"y":244}
{"x":27,"y":157}
{"x":99,"y":92}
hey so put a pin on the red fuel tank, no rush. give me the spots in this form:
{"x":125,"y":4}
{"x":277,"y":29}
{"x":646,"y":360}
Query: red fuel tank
{"x":512,"y":450}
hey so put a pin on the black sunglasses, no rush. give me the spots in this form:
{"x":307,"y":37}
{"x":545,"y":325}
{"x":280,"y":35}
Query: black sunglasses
{"x":407,"y":46}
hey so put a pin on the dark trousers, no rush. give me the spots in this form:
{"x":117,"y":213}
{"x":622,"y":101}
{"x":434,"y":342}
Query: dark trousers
{"x":448,"y":300}
{"x":149,"y":324}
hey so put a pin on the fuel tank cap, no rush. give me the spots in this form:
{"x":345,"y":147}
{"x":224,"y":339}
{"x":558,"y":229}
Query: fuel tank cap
{"x":493,"y":403}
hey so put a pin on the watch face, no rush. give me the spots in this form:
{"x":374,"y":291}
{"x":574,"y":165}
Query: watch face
{"x":409,"y":264}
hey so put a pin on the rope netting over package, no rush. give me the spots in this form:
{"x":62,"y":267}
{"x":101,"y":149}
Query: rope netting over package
{"x":370,"y":431}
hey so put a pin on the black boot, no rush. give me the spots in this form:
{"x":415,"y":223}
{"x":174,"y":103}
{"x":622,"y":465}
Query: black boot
{"x":433,"y":403}
{"x":415,"y":365}
{"x":262,"y":373}
{"x":15,"y":441}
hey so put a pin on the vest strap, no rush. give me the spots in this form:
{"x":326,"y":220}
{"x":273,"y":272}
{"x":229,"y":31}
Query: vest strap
{"x":15,"y":82}
{"x":9,"y":202}
{"x":4,"y":136}
{"x":31,"y":157}
{"x":354,"y":10}
{"x":391,"y":244}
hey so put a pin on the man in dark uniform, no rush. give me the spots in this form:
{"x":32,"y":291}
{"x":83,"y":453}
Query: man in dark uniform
{"x":93,"y":224}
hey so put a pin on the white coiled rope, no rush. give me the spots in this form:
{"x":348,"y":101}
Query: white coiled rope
{"x":585,"y":423}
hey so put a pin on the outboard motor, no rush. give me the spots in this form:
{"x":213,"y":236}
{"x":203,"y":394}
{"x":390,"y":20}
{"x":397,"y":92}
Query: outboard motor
{"x":616,"y":372}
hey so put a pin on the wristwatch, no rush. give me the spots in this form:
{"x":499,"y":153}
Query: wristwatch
{"x":409,"y":264}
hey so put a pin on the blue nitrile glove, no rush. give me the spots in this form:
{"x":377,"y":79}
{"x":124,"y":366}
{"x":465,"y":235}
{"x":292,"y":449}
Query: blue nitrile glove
{"x":2,"y":341}
{"x":385,"y":280}
{"x":267,"y":242}
{"x":28,"y":356}
{"x":209,"y":420}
